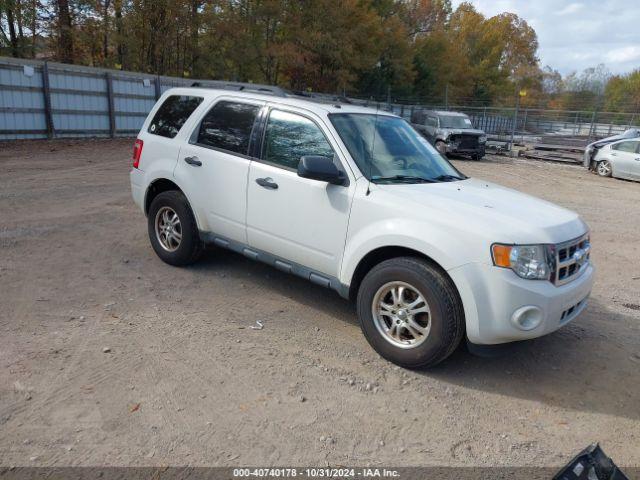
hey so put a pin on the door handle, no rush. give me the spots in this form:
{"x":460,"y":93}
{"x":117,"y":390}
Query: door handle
{"x":267,"y":183}
{"x":193,"y":161}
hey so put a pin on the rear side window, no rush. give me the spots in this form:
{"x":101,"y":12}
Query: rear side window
{"x":418,"y":117}
{"x":228,"y":126}
{"x":172,"y":114}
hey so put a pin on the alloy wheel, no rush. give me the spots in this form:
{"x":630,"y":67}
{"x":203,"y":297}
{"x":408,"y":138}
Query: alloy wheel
{"x":168,"y":229}
{"x":604,"y":169}
{"x":401,"y":314}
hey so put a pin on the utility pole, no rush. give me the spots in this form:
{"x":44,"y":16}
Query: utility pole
{"x":593,"y":120}
{"x":515,"y":121}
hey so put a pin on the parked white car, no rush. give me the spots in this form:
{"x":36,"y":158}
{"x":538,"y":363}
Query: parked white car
{"x":356,"y":200}
{"x":620,"y":159}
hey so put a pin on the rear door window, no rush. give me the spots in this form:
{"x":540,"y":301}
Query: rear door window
{"x":228,"y":126}
{"x":172,"y":114}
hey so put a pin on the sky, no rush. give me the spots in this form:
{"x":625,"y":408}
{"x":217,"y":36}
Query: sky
{"x":574,"y":35}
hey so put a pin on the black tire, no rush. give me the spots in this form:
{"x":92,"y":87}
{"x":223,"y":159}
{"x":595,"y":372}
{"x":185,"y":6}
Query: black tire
{"x":446,"y":317}
{"x":441,"y":147}
{"x":190,"y":246}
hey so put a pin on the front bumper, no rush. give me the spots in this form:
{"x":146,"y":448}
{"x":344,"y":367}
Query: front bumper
{"x":493,"y":297}
{"x":454,"y":148}
{"x":587,"y":157}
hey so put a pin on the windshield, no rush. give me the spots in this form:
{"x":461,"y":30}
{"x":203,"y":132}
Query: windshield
{"x":455,"y":121}
{"x":388,"y":149}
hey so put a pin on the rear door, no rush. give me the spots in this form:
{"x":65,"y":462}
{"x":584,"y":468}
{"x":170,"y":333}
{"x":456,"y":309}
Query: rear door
{"x":161,"y":140}
{"x":214,"y":165}
{"x":635,"y":167}
{"x":298,"y":219}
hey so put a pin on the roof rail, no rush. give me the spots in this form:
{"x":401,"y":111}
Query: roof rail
{"x":271,"y":90}
{"x":241,"y":87}
{"x":325,"y":97}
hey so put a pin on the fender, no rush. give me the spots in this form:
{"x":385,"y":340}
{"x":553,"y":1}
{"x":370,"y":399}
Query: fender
{"x":388,"y":233}
{"x":162,"y":173}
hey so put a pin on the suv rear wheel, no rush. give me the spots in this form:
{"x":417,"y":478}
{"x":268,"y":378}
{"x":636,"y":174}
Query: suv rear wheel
{"x":410,"y":312}
{"x":172,"y":228}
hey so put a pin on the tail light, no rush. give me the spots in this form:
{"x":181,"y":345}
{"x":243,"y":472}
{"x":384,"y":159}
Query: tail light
{"x":137,"y":152}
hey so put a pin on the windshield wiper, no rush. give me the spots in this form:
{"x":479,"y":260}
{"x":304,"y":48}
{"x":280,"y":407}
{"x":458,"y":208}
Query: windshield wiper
{"x":403,"y":178}
{"x":447,"y":178}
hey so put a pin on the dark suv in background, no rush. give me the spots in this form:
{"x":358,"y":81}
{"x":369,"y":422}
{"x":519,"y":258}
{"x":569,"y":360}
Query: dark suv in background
{"x":450,"y":132}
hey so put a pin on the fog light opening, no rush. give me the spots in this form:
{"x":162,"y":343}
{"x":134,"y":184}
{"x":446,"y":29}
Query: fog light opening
{"x":527,"y":318}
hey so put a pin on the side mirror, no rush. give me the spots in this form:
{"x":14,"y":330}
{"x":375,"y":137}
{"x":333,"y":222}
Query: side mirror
{"x":320,"y":168}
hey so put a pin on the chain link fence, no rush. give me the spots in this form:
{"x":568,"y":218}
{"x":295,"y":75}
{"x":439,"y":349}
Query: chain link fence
{"x":508,"y":126}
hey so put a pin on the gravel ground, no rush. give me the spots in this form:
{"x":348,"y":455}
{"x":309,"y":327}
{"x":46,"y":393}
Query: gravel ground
{"x":110,"y":357}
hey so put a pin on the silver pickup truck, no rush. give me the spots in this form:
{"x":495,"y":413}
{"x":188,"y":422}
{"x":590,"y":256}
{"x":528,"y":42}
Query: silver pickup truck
{"x":450,"y":132}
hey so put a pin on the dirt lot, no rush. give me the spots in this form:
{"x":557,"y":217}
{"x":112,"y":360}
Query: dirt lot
{"x":187,"y":382}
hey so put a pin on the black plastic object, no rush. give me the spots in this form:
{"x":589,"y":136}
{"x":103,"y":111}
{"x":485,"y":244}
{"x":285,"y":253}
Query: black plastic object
{"x":591,"y":464}
{"x":320,"y":168}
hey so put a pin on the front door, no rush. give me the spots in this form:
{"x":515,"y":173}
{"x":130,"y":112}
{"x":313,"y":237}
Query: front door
{"x":213,"y":167}
{"x":298,"y":219}
{"x":624,"y":158}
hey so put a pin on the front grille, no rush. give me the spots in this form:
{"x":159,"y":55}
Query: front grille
{"x":465,"y":142}
{"x":572,"y":258}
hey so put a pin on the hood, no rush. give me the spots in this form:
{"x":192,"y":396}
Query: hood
{"x":630,"y":133}
{"x":499,"y":213}
{"x":457,"y":131}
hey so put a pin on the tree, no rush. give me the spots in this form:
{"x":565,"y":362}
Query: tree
{"x":17,"y":17}
{"x":622,"y":93}
{"x":65,"y":32}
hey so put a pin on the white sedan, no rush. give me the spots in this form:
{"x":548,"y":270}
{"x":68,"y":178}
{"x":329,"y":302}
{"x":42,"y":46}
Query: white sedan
{"x":619,"y":159}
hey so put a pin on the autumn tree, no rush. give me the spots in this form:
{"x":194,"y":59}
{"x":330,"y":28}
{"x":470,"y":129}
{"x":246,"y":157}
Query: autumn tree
{"x":19,"y":27}
{"x":405,"y":49}
{"x":622,"y":93}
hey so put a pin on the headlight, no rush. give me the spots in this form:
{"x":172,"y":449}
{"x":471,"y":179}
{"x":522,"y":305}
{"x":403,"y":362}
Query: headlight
{"x":533,"y":262}
{"x":482,"y":139}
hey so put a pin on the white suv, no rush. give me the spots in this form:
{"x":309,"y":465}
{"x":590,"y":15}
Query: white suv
{"x":356,"y":200}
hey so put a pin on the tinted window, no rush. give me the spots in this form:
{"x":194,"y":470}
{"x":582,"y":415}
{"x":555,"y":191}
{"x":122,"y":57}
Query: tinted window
{"x":432,"y":121}
{"x":228,"y":126}
{"x":172,"y":114}
{"x":289,"y":137}
{"x":630,"y":147}
{"x":418,"y":117}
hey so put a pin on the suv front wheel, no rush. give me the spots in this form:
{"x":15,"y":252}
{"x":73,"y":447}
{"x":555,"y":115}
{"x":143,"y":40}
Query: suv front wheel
{"x":410,"y":312}
{"x":172,"y":228}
